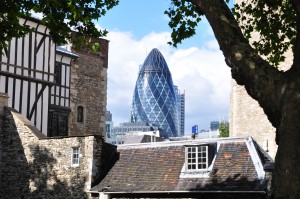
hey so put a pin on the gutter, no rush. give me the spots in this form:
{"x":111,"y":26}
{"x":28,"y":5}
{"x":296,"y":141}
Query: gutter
{"x":157,"y":192}
{"x":108,"y":195}
{"x":179,"y":143}
{"x":88,"y":191}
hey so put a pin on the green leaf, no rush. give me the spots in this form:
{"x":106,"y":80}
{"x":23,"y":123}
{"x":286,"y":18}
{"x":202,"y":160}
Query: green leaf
{"x":274,"y":20}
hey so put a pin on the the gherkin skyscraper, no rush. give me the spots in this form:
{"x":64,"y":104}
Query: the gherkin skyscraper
{"x":154,"y":98}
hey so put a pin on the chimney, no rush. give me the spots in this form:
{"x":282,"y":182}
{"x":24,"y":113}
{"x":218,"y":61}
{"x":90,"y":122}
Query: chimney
{"x":193,"y":136}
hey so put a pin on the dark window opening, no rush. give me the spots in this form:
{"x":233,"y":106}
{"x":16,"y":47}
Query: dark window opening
{"x":58,"y":122}
{"x":79,"y":114}
{"x":57,"y":73}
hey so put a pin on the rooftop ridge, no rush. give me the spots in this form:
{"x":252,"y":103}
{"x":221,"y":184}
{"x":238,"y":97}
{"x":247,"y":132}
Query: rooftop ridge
{"x":182,"y":142}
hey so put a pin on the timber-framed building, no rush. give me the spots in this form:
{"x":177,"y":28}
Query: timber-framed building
{"x":36,"y":75}
{"x":52,"y":115}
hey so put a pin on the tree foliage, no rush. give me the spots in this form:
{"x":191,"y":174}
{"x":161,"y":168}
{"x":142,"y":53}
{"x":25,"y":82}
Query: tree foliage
{"x":61,"y":16}
{"x":274,"y":20}
{"x":184,"y":20}
{"x":224,"y":129}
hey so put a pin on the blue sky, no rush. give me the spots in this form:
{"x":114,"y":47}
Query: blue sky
{"x":197,"y":66}
{"x":140,"y":17}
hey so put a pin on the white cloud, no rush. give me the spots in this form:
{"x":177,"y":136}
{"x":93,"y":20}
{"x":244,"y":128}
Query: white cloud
{"x":200,"y":72}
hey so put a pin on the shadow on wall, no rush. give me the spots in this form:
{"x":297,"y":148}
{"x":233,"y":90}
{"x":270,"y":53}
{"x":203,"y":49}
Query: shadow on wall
{"x":44,"y":178}
{"x":30,"y":171}
{"x":108,"y":160}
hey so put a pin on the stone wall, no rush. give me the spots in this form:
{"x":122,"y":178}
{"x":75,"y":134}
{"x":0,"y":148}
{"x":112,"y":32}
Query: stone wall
{"x":34,"y":166}
{"x":88,"y":89}
{"x":246,"y":117}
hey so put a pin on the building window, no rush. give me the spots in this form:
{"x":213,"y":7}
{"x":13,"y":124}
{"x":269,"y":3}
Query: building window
{"x":58,"y":122}
{"x":75,"y":157}
{"x":79,"y":114}
{"x":57,"y":73}
{"x":196,"y":158}
{"x":120,"y":142}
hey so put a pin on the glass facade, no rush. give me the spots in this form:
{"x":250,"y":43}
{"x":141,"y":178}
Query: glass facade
{"x":127,"y":127}
{"x":214,"y":125}
{"x":154,"y":98}
{"x":180,"y":100}
{"x":109,"y":124}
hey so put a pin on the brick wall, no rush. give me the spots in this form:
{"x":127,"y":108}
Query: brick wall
{"x":33,"y":166}
{"x":88,"y":89}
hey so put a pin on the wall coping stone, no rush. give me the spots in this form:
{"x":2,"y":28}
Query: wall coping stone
{"x":3,"y":95}
{"x":37,"y":132}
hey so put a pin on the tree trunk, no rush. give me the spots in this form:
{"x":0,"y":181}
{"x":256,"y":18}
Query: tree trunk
{"x":286,"y":177}
{"x":277,"y":92}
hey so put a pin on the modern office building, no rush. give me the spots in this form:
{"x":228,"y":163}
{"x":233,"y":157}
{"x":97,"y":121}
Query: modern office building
{"x":155,"y":99}
{"x":127,"y":127}
{"x":109,"y":124}
{"x":180,"y":99}
{"x":214,"y":125}
{"x":132,"y":132}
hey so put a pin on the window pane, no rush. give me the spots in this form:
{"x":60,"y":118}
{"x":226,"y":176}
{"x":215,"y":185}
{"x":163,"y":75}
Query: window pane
{"x":202,"y":166}
{"x":196,"y":157}
{"x":75,"y":156}
{"x":57,"y":72}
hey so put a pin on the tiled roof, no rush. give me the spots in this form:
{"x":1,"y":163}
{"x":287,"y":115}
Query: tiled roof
{"x":158,"y":168}
{"x":233,"y":170}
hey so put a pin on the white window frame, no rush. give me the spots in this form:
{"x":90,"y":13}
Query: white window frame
{"x":75,"y":156}
{"x":196,"y":158}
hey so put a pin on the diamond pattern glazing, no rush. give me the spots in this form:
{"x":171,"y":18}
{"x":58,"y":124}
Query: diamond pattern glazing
{"x":154,"y":99}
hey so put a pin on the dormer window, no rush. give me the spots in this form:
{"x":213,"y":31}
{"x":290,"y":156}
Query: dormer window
{"x":199,"y":160}
{"x":196,"y":158}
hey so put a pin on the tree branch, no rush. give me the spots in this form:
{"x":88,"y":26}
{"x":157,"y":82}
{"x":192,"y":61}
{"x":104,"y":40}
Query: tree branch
{"x":263,"y":82}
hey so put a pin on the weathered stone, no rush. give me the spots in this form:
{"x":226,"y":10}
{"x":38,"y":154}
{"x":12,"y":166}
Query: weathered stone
{"x":88,"y":89}
{"x":246,"y":117}
{"x":43,"y":168}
